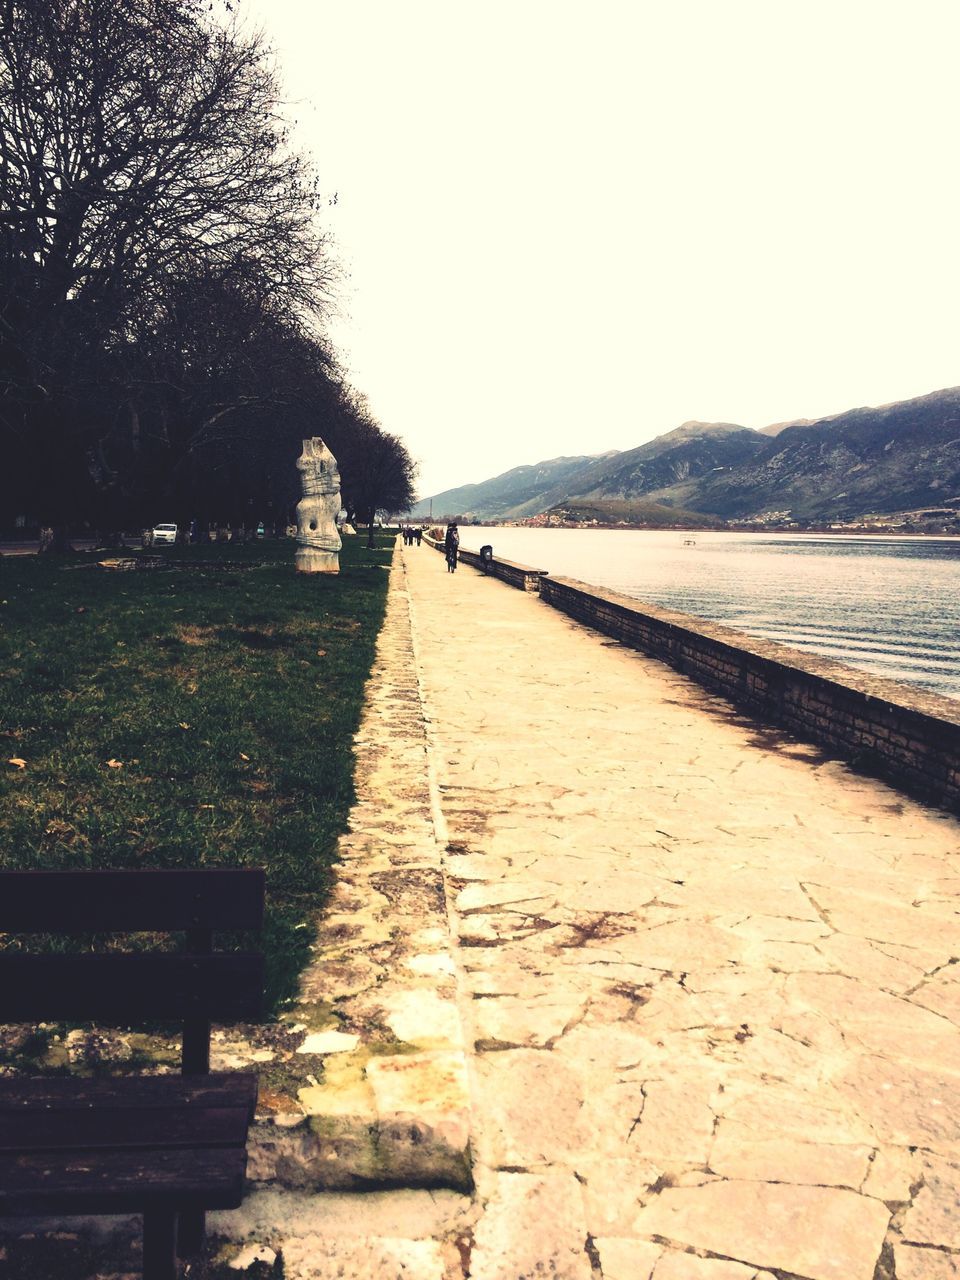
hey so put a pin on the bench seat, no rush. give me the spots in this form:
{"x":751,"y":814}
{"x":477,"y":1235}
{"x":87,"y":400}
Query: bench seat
{"x":123,"y":1145}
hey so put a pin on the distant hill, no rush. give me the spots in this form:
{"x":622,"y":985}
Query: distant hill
{"x":671,"y":468}
{"x":895,"y":457}
{"x":613,"y":511}
{"x":517,"y":493}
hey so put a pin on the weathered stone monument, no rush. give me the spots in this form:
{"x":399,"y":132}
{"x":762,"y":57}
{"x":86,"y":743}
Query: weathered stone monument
{"x":318,"y":542}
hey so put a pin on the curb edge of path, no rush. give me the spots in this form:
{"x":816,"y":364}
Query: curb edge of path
{"x":387,"y":1099}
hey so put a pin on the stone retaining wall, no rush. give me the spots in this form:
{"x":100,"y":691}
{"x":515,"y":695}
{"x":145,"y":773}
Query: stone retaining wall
{"x":908,"y":736}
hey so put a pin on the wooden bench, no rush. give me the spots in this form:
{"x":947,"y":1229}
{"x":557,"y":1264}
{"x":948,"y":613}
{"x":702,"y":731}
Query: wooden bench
{"x":166,"y":1146}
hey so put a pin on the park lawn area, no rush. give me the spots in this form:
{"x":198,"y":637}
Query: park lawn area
{"x":187,"y":717}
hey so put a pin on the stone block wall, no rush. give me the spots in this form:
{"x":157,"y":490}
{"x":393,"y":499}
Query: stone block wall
{"x":908,"y":736}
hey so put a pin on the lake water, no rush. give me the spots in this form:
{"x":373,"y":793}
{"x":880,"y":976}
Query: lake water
{"x":887,"y":605}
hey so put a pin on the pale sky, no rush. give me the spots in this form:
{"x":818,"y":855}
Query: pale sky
{"x":568,"y":226}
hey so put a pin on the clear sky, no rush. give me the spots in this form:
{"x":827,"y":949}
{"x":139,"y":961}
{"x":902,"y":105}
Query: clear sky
{"x":568,"y":226}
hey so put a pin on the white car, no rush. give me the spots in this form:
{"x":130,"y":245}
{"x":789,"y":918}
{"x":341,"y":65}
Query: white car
{"x":162,"y":533}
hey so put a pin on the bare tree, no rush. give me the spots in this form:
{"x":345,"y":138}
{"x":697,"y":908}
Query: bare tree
{"x":140,"y":144}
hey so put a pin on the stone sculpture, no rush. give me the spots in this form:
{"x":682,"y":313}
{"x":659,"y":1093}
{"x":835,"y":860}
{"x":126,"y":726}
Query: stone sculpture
{"x":318,"y":542}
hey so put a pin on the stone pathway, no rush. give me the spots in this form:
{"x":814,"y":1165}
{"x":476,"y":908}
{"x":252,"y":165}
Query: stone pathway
{"x":713,"y":975}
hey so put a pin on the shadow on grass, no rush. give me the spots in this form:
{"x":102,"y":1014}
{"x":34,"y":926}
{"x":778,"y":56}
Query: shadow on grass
{"x":193,"y":716}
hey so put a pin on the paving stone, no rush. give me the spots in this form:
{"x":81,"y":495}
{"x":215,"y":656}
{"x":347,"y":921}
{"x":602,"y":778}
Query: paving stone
{"x":933,"y":1217}
{"x":738,"y":1152}
{"x":815,"y":1232}
{"x":421,"y":1016}
{"x":480,"y":897}
{"x":322,"y":1042}
{"x":925,"y":1264}
{"x":626,"y":1258}
{"x":524,"y":1022}
{"x":672,"y":1121}
{"x":905,"y":1105}
{"x":531,"y":1103}
{"x":431,"y":1084}
{"x":532,"y":1226}
{"x":892,"y":1173}
{"x":614,"y":1190}
{"x":866,"y":914}
{"x":877,"y":1021}
{"x":782,"y":929}
{"x":773,"y":1107}
{"x":866,"y":960}
{"x":394,"y":1214}
{"x":251,"y":1254}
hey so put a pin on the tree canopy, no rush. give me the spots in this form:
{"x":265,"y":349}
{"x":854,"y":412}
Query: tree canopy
{"x":163,"y":270}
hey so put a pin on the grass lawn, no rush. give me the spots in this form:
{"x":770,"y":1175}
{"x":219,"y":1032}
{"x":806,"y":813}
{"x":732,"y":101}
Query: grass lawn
{"x":188,"y":717}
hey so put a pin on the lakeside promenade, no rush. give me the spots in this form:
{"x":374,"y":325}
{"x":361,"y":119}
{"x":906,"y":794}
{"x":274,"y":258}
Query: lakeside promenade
{"x":691,"y":987}
{"x":710,"y":976}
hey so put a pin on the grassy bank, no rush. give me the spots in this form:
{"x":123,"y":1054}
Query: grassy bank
{"x":189,"y":716}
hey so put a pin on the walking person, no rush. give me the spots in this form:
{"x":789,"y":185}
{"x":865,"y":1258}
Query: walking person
{"x":451,"y":546}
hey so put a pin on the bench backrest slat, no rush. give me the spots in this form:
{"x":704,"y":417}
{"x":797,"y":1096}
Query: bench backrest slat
{"x":106,"y":901}
{"x":187,"y":1126}
{"x":121,"y":988}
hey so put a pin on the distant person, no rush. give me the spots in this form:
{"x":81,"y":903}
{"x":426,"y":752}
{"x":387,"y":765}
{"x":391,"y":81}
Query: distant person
{"x":418,"y":534}
{"x":451,"y":546}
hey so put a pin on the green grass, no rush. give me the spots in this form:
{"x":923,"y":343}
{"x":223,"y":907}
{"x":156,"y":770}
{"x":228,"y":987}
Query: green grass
{"x":226,"y":695}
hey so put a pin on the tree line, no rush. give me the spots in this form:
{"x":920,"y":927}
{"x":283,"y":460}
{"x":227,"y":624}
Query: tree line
{"x":164,"y":278}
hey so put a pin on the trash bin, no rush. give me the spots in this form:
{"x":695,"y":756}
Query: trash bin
{"x":486,"y":557}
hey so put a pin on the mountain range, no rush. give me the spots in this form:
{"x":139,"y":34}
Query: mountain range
{"x":869,"y":461}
